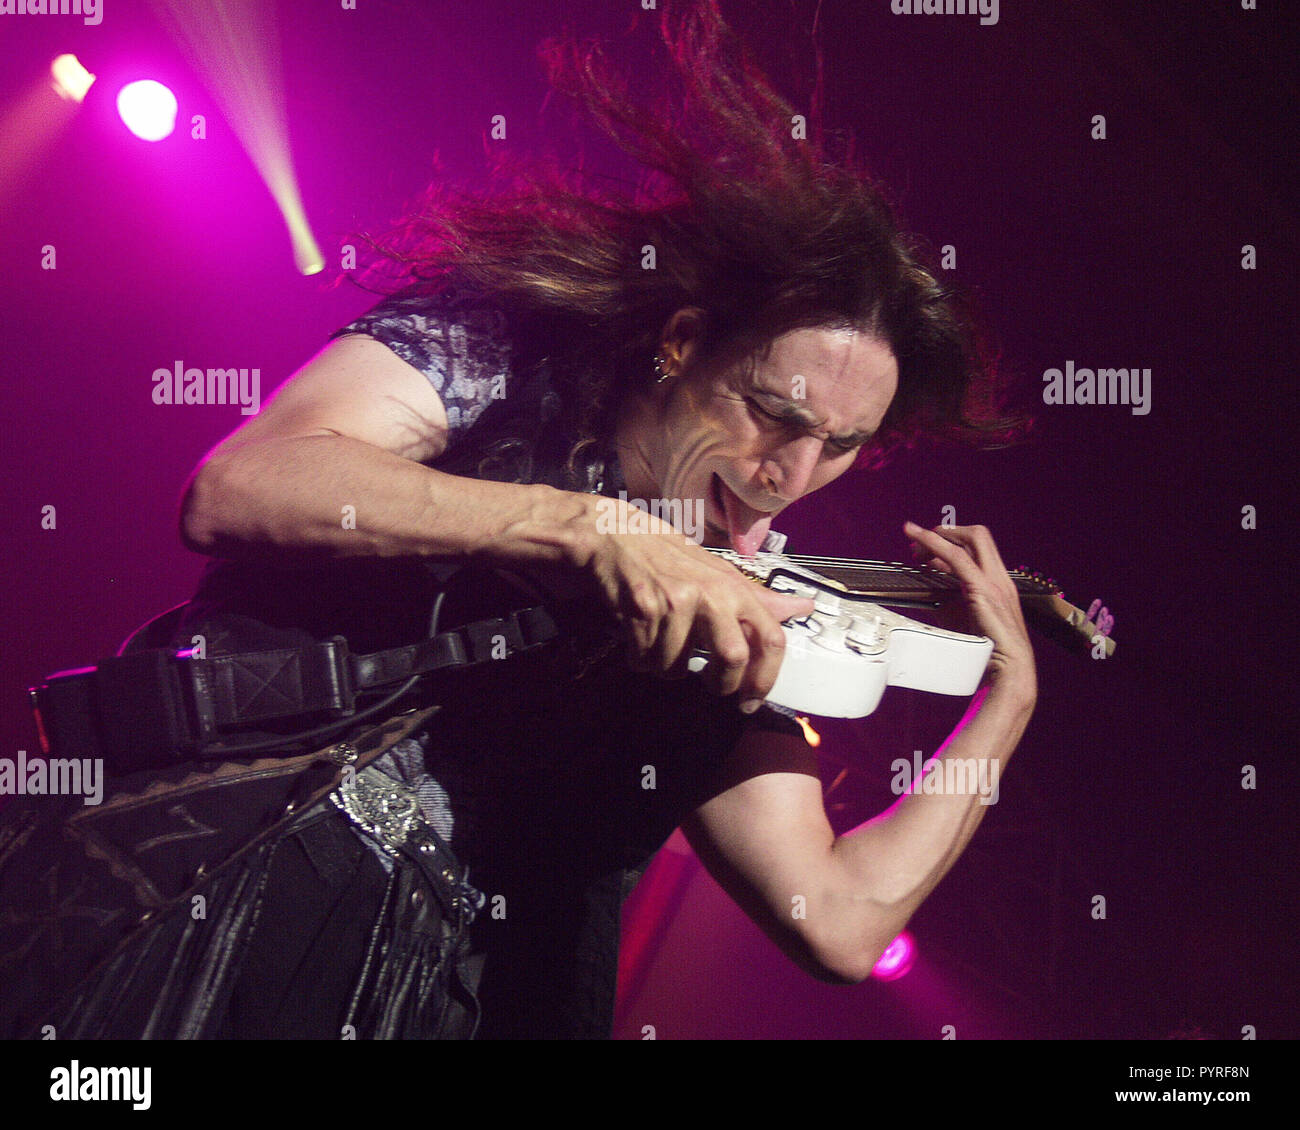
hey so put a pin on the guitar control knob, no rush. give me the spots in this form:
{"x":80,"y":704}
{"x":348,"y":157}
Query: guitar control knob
{"x":866,"y":636}
{"x":832,"y":636}
{"x":865,"y":631}
{"x":826,"y":604}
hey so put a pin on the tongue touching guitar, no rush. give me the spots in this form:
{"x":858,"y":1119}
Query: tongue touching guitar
{"x":840,"y":658}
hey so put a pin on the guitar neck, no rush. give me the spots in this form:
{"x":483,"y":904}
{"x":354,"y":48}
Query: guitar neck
{"x":907,"y":586}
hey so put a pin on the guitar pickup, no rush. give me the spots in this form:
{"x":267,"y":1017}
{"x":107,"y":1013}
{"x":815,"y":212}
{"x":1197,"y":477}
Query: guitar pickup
{"x":786,"y":586}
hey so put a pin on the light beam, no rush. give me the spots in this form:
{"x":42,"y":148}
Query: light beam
{"x":234,"y":46}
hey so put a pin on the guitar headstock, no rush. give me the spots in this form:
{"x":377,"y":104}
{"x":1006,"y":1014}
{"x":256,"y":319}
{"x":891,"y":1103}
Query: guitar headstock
{"x":1045,"y":603}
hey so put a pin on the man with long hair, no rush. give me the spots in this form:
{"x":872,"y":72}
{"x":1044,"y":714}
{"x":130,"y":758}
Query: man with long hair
{"x":747,"y":328}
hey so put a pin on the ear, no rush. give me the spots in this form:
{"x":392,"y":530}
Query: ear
{"x":682,"y":336}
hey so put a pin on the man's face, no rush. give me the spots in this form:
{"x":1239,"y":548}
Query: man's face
{"x":753,"y":438}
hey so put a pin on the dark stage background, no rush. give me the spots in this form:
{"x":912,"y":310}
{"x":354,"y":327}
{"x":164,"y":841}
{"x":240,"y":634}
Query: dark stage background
{"x":1122,"y":252}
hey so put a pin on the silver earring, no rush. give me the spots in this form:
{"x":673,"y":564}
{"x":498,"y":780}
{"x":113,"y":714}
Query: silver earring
{"x":661,"y":369}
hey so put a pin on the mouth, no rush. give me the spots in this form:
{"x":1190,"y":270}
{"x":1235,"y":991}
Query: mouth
{"x":742,"y":526}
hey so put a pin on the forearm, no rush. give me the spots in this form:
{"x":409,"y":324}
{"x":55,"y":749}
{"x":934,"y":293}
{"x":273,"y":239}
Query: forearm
{"x":342,"y":497}
{"x":891,"y":863}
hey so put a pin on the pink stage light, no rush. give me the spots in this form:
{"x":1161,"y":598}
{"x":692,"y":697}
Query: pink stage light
{"x":148,"y":108}
{"x":896,"y":960}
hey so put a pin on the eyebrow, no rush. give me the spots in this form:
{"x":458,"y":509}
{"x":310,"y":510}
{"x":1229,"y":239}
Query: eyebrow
{"x":792,"y":412}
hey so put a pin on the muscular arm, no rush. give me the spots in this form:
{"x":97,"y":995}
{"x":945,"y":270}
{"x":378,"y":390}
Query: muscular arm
{"x":765,"y":836}
{"x":352,"y":429}
{"x":766,"y":840}
{"x":348,"y":430}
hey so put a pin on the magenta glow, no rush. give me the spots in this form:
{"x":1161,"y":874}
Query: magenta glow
{"x":896,"y":960}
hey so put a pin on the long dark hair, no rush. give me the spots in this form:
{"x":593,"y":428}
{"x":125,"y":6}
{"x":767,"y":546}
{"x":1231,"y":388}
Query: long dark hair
{"x":747,"y":217}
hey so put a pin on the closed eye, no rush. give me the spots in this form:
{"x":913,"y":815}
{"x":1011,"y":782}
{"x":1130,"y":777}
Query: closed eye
{"x":842,"y":446}
{"x":759,"y":410}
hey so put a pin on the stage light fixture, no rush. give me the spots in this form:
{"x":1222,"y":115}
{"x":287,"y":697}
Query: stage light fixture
{"x":70,"y":79}
{"x":148,"y":108}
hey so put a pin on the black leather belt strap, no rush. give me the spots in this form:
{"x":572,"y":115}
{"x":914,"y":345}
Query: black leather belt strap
{"x":256,"y":686}
{"x":165,"y":701}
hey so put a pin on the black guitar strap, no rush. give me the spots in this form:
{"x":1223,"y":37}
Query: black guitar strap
{"x":157,"y":707}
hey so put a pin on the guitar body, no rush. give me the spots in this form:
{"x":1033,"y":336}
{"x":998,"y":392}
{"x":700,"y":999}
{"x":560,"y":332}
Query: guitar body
{"x":840,"y":658}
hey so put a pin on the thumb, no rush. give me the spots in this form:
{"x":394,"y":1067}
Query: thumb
{"x":785,"y":606}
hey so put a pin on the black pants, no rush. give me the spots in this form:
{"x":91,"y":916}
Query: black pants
{"x":236,"y":903}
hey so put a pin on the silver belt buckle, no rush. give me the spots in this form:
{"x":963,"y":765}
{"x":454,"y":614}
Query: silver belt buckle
{"x":387,"y":810}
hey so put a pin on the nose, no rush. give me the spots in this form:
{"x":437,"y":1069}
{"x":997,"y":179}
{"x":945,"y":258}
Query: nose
{"x":788,"y":471}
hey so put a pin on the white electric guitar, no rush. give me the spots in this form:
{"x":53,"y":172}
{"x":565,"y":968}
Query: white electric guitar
{"x":840,"y":658}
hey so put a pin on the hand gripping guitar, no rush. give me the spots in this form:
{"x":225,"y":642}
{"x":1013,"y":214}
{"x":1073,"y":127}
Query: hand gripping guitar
{"x":843,"y":656}
{"x":840,"y":658}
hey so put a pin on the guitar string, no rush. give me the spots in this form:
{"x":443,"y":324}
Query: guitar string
{"x":892,"y":567}
{"x":861,"y":563}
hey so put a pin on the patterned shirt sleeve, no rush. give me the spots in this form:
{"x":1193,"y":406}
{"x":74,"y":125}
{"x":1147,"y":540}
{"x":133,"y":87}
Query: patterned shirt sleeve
{"x":461,"y":344}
